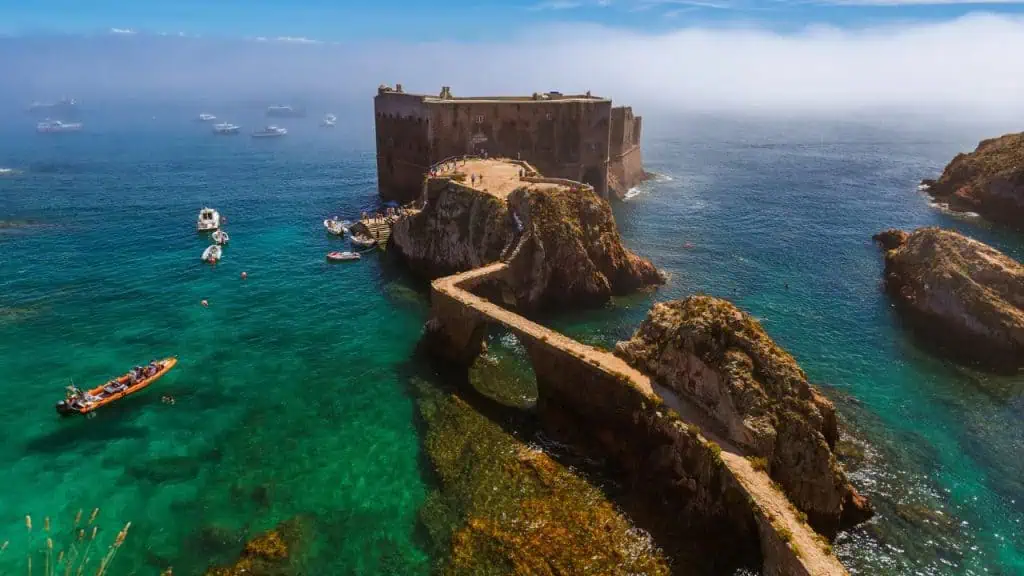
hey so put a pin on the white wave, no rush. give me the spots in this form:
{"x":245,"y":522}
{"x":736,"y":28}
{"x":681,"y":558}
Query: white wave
{"x":632,"y":193}
{"x":945,"y":209}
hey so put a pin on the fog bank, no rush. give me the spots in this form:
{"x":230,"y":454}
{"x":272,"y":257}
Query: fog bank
{"x":963,"y":65}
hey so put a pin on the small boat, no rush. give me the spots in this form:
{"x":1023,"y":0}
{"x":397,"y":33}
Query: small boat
{"x":337,"y":227}
{"x":343,"y":256}
{"x":283,"y":111}
{"x":58,"y":126}
{"x":329,"y":121}
{"x":207,"y":118}
{"x":82,"y":402}
{"x":226,"y":128}
{"x":362,"y":240}
{"x":209,"y":219}
{"x":220,"y":237}
{"x":212,"y":254}
{"x":270,"y":132}
{"x":64,"y":105}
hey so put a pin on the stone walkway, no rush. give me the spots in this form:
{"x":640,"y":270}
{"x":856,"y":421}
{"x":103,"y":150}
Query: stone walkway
{"x":775,"y":509}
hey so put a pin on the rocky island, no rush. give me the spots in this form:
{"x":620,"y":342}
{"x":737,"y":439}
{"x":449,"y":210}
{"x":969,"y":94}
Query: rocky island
{"x":988,"y":181}
{"x":958,"y":293}
{"x":721,"y":361}
{"x":568,"y":245}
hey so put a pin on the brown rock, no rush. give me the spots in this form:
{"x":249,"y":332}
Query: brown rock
{"x":989,"y":181}
{"x":721,"y":360}
{"x":960,"y":294}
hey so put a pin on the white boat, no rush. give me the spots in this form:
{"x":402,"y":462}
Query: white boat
{"x":220,"y":237}
{"x":270,"y":132}
{"x":207,"y":117}
{"x":362,"y":240}
{"x":226,"y":128}
{"x":58,"y":126}
{"x":343,"y":256}
{"x":337,"y":227}
{"x":329,"y":121}
{"x":64,"y":105}
{"x":283,"y":111}
{"x":209,"y":219}
{"x":212,"y":253}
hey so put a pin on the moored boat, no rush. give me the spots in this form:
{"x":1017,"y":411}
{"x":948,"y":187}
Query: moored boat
{"x":343,"y":256}
{"x":220,"y":237}
{"x":337,"y":227}
{"x":329,"y":121}
{"x":360,"y":240}
{"x":209,"y":219}
{"x":212,"y":254}
{"x":58,"y":126}
{"x":283,"y":111}
{"x":82,"y":402}
{"x":206,"y":118}
{"x":226,"y":128}
{"x":270,"y":132}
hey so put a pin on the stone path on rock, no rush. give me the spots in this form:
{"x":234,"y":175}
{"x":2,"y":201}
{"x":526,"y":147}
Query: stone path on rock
{"x":773,"y":505}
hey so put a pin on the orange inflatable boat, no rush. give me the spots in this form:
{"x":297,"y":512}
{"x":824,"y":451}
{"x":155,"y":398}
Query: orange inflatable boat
{"x":79,"y":402}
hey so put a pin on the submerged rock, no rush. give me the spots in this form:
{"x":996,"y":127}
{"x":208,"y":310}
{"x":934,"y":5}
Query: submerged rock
{"x":269,"y":554}
{"x":989,"y":181}
{"x":506,"y":508}
{"x":720,"y":359}
{"x":959,"y":293}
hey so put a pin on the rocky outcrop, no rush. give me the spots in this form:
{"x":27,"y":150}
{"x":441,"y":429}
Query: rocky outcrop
{"x":989,"y":181}
{"x":575,"y":254}
{"x":719,"y":359}
{"x":460,"y":229}
{"x":960,"y":294}
{"x":571,"y":249}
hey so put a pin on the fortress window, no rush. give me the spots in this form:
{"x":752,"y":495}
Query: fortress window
{"x":480,"y":119}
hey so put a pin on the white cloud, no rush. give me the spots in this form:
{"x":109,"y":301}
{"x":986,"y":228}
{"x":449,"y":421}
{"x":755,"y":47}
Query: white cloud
{"x":967,"y":65}
{"x":560,"y":5}
{"x":122,"y":31}
{"x":297,"y":40}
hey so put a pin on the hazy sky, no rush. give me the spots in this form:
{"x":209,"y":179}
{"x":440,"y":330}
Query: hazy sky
{"x":419,"y":20}
{"x":964,"y":65}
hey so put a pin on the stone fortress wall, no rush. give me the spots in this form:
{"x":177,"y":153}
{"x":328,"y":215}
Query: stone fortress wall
{"x":577,"y":137}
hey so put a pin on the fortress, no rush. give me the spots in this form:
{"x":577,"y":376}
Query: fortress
{"x":577,"y":137}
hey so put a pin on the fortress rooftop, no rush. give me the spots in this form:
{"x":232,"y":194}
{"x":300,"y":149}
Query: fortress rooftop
{"x":446,"y":96}
{"x":499,"y":177}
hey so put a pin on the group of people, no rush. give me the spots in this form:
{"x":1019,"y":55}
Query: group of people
{"x":75,"y":396}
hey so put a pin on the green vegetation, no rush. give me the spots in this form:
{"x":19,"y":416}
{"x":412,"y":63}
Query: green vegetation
{"x":759,"y":463}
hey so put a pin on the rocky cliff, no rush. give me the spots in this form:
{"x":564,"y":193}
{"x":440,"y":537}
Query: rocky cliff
{"x":989,"y":181}
{"x":720,"y":360}
{"x":571,"y":249}
{"x":460,"y":229}
{"x":959,"y":293}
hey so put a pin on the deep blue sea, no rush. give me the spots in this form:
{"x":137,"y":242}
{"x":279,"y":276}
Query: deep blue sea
{"x":291,"y":391}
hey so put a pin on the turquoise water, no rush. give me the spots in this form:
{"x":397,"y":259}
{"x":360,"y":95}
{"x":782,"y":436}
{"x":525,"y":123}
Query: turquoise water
{"x":291,"y":395}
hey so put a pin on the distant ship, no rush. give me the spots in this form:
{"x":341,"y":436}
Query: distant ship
{"x":64,"y":105}
{"x":206,"y":118}
{"x":226,"y":128}
{"x":329,"y":121}
{"x":270,"y":132}
{"x":58,"y":126}
{"x":285,"y":112}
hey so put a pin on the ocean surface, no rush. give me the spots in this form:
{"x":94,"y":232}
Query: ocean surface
{"x":292,"y":396}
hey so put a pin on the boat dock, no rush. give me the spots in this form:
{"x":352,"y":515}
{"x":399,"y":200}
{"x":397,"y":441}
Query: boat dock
{"x":380,"y":228}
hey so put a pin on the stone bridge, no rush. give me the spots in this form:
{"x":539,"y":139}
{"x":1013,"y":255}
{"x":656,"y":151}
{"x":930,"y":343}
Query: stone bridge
{"x":698,"y":481}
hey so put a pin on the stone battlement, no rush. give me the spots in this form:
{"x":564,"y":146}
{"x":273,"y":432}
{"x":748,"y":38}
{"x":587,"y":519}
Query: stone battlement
{"x":706,"y":483}
{"x":574,"y":136}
